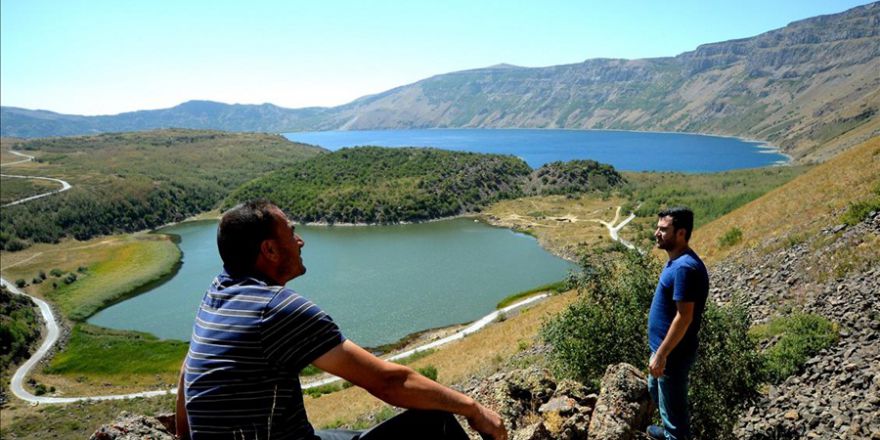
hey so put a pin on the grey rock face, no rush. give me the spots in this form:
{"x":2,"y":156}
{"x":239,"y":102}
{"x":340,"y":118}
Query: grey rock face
{"x":624,"y":406}
{"x":135,"y":427}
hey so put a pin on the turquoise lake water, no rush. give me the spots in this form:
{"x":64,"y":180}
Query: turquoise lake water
{"x":625,"y":150}
{"x":379,"y":283}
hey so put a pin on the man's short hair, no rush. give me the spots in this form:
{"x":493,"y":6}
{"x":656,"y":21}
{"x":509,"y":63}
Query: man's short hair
{"x":681,"y":218}
{"x":241,"y":231}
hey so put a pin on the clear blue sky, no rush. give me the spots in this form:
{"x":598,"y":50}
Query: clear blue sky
{"x":106,"y":57}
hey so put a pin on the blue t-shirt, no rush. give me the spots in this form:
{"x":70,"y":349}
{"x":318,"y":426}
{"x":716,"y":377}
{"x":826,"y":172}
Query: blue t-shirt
{"x":683,"y":279}
{"x":249,"y":343}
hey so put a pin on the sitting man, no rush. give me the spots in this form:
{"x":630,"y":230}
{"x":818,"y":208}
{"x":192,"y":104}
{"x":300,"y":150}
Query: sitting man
{"x":252,"y":336}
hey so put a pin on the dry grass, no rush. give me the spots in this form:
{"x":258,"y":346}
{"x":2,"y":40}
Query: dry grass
{"x":563,"y":226}
{"x":802,"y":207}
{"x":481,"y":353}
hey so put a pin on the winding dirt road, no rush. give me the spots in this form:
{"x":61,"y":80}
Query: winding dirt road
{"x":64,"y":185}
{"x":53,"y":331}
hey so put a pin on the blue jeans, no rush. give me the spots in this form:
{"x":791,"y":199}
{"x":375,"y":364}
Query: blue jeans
{"x":669,"y":392}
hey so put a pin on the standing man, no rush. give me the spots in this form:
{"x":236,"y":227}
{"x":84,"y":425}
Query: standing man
{"x":674,"y":322}
{"x":252,"y":336}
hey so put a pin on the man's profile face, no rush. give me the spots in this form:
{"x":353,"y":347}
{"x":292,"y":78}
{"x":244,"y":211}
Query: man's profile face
{"x":289,"y":245}
{"x":666,"y":235}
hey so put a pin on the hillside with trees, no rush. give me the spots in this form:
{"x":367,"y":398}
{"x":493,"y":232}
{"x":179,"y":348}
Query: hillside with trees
{"x":391,"y":185}
{"x":125,"y":182}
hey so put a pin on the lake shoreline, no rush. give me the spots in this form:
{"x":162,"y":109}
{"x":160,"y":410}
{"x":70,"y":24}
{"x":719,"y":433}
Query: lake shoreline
{"x":765,"y":146}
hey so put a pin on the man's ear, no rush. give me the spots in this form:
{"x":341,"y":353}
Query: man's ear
{"x":681,"y":233}
{"x":268,"y":250}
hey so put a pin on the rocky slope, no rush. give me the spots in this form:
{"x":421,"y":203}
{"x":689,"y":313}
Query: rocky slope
{"x":837,"y":395}
{"x":799,"y":87}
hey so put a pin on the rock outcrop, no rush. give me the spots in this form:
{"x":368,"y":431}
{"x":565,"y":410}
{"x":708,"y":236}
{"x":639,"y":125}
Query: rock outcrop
{"x":137,"y":427}
{"x":624,"y":407}
{"x":537,"y":407}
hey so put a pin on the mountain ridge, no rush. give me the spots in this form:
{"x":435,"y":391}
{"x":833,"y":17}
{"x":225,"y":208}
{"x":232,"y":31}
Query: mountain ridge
{"x":796,"y":87}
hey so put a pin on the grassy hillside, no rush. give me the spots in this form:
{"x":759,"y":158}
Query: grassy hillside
{"x":126,"y":182}
{"x":817,"y":199}
{"x":709,"y":195}
{"x":390,"y":185}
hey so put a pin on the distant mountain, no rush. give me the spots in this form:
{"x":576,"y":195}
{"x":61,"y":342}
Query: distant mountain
{"x":798,"y":87}
{"x":19,"y":122}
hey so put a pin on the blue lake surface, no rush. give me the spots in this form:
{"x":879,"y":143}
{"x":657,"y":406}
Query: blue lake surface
{"x":625,"y":150}
{"x":379,"y":283}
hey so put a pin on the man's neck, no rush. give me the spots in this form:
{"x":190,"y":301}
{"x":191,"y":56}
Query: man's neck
{"x":677,"y":252}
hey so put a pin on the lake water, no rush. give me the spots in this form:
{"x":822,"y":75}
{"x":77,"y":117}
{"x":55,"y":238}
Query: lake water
{"x":625,"y":150}
{"x":379,"y":283}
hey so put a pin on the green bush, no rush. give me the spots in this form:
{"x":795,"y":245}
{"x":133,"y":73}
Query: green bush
{"x":731,"y":237}
{"x":429,"y":371}
{"x":857,"y":212}
{"x":607,"y":324}
{"x":56,"y":272}
{"x":727,"y":373}
{"x":20,"y":282}
{"x":800,"y":336}
{"x":19,"y":328}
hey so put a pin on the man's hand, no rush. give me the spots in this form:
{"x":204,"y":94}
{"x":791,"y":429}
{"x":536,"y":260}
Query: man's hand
{"x":401,"y":386}
{"x":657,"y":364}
{"x":488,"y":422}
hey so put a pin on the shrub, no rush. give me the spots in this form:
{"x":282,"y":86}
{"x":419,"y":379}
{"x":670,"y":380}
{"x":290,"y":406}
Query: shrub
{"x":318,"y":391}
{"x":801,"y":336}
{"x":429,"y":371}
{"x":41,"y":274}
{"x":70,"y":278}
{"x":731,"y":237}
{"x":727,"y":372}
{"x":56,"y":272}
{"x":20,"y":282}
{"x":857,"y":212}
{"x":607,"y":324}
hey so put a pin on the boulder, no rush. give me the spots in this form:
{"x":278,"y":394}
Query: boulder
{"x":137,"y":427}
{"x":624,"y":406}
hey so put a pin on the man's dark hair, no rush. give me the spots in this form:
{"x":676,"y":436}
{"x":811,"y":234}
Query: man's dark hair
{"x":681,"y":218}
{"x":241,"y":231}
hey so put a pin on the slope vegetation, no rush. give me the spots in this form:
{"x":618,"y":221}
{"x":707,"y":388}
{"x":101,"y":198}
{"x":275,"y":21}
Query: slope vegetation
{"x":817,"y":199}
{"x":126,"y":182}
{"x":391,"y":185}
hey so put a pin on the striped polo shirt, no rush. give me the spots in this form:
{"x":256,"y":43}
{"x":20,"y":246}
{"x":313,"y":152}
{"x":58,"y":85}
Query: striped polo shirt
{"x":249,"y":342}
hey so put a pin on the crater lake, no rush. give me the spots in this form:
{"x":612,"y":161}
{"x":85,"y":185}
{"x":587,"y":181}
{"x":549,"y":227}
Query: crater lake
{"x":379,"y":283}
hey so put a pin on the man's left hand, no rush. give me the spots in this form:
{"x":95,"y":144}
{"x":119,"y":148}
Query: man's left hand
{"x":657,"y":365}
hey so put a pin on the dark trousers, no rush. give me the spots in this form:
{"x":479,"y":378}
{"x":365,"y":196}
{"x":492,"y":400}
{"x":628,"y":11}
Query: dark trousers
{"x":411,"y":424}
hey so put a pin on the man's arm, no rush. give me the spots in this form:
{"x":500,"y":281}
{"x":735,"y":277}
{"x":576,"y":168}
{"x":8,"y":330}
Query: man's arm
{"x":677,"y":329}
{"x":401,"y":386}
{"x":181,"y":423}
